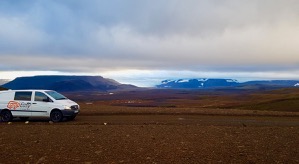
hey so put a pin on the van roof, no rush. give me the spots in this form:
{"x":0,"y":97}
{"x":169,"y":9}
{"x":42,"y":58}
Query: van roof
{"x":42,"y":90}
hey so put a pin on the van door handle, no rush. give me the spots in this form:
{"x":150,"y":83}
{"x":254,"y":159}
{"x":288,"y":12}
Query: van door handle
{"x":33,"y":103}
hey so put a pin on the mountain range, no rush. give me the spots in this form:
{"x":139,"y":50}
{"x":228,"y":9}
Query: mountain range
{"x":205,"y":83}
{"x":67,"y":83}
{"x":98,"y":83}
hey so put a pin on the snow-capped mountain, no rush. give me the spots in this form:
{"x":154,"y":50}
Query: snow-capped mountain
{"x":214,"y":83}
{"x":197,"y":83}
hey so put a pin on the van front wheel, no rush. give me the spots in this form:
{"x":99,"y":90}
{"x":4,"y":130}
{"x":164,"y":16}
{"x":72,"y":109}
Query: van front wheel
{"x":56,"y":116}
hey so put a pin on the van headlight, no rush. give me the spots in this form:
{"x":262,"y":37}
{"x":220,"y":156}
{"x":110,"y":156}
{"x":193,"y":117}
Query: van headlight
{"x":67,"y":107}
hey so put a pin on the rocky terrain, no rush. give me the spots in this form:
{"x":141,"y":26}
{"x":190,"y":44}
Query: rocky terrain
{"x":147,"y":135}
{"x":162,"y":126}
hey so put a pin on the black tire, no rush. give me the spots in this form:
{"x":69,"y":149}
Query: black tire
{"x":24,"y":118}
{"x":56,"y":116}
{"x":6,"y":116}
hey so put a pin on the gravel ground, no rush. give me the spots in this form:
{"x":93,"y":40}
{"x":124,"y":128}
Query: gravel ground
{"x":152,"y":139}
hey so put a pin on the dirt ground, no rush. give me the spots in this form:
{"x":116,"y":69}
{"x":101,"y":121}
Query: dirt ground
{"x":152,"y":138}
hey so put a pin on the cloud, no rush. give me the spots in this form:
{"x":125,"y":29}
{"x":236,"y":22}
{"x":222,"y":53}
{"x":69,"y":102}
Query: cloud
{"x":191,"y":35}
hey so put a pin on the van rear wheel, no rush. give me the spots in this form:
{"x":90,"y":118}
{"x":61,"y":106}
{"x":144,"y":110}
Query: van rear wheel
{"x":56,"y":116}
{"x":6,"y":116}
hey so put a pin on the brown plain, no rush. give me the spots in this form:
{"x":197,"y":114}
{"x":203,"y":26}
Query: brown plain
{"x":163,"y":126}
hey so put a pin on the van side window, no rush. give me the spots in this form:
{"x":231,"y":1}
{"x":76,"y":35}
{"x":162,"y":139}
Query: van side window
{"x":24,"y":96}
{"x":39,"y":96}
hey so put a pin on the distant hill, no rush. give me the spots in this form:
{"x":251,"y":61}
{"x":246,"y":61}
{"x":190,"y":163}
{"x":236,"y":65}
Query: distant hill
{"x":1,"y":89}
{"x":66,"y":83}
{"x":289,"y":83}
{"x":204,"y":83}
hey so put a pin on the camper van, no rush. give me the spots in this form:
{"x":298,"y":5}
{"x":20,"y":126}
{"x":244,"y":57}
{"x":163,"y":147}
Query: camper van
{"x":36,"y":103}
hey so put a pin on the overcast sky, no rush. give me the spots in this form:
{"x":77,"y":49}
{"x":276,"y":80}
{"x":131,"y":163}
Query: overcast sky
{"x":137,"y":41}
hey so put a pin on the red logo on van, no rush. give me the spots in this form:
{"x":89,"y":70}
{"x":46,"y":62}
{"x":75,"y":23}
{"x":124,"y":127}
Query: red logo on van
{"x":13,"y":105}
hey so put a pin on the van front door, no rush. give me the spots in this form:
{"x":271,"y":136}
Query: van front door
{"x":41,"y":104}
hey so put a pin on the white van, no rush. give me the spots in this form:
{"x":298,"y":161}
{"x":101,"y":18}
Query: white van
{"x":36,"y":103}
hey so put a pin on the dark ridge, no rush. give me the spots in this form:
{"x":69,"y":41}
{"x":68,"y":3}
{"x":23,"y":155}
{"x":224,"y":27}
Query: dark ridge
{"x":66,"y":83}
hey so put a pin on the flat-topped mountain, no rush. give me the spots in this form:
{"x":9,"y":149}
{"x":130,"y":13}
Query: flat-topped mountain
{"x":66,"y":83}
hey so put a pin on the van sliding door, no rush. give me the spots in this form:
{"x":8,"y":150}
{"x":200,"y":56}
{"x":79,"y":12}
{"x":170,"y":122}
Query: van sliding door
{"x":21,"y":105}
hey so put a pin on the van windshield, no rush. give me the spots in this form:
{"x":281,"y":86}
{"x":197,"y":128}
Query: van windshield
{"x":56,"y":95}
